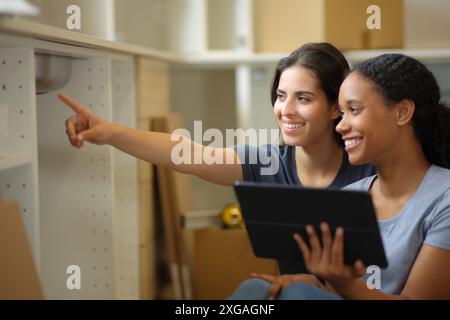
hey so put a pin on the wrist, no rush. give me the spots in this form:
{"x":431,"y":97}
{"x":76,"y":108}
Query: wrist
{"x":344,"y":286}
{"x":114,"y":133}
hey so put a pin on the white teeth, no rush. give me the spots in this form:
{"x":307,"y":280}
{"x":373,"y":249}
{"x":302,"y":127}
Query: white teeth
{"x":351,"y":142}
{"x":293,"y":126}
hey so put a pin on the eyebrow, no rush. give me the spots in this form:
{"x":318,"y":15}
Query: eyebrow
{"x":298,"y":92}
{"x":353,"y":101}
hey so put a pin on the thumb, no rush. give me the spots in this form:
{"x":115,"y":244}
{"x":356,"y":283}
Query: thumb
{"x":275,"y":289}
{"x":359,"y":268}
{"x":261,"y":276}
{"x":87,"y":135}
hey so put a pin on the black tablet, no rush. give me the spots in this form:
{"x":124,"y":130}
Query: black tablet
{"x":274,"y":212}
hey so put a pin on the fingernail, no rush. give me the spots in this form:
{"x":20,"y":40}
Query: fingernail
{"x":80,"y":138}
{"x":309,"y":228}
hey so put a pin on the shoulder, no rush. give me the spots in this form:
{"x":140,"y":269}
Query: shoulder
{"x":360,"y":185}
{"x":436,"y":186}
{"x":435,"y":200}
{"x":438,"y":189}
{"x":439,"y":177}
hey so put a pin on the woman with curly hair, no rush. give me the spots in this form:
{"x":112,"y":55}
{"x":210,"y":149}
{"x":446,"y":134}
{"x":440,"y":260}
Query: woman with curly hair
{"x":392,"y":117}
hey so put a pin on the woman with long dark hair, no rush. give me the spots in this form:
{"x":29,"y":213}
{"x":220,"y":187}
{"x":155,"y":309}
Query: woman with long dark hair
{"x":304,"y":96}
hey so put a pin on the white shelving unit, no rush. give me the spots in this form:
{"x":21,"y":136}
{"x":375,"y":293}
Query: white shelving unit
{"x":18,"y":142}
{"x":11,"y":162}
{"x":79,"y":207}
{"x":217,"y":25}
{"x":125,"y":185}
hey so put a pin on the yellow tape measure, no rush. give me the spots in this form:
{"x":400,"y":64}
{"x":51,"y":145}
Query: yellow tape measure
{"x":232,"y":216}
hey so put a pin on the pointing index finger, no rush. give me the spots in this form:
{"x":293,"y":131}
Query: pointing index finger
{"x":75,"y":106}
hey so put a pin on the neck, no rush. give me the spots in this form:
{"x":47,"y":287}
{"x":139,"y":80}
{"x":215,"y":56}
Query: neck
{"x":319,"y":159}
{"x":402,"y":170}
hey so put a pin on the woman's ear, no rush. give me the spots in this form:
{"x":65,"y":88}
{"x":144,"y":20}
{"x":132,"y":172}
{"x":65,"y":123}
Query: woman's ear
{"x":405,"y":111}
{"x":335,"y":111}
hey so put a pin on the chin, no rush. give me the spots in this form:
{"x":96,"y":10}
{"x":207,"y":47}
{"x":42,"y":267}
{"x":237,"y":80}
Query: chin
{"x":356,"y":159}
{"x":292,"y":141}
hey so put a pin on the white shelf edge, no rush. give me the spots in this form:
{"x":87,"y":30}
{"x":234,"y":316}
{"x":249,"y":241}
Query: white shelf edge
{"x":224,"y":59}
{"x":429,"y":54}
{"x":20,"y":26}
{"x":12,"y":162}
{"x":232,"y":59}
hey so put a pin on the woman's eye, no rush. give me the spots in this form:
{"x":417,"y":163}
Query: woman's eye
{"x":303,"y":99}
{"x":279,"y":96}
{"x":354,"y":110}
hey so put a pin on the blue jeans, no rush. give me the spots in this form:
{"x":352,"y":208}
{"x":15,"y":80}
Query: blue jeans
{"x":256,"y":289}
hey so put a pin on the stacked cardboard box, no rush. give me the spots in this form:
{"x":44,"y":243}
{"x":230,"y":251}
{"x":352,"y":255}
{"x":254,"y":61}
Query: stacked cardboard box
{"x":283,"y":25}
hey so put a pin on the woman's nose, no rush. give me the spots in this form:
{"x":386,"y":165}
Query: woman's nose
{"x":288,"y":108}
{"x":342,"y":127}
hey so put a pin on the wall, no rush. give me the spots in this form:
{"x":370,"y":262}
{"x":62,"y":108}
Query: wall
{"x":279,"y":24}
{"x":427,"y":23}
{"x":142,"y":22}
{"x":207,"y":96}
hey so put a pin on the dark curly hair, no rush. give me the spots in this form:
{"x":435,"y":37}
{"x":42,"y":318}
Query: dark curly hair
{"x":399,"y":77}
{"x":326,"y":62}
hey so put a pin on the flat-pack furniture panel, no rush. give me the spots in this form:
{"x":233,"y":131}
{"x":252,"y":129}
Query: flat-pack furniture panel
{"x":125,"y":226}
{"x":76,"y":191}
{"x":18,"y":142}
{"x":15,"y":100}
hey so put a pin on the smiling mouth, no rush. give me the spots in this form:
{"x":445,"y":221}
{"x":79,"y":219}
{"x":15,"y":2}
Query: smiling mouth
{"x":351,"y":144}
{"x":291,"y":126}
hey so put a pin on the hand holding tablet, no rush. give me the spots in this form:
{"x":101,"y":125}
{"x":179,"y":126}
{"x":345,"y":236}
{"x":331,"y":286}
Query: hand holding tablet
{"x":273,"y":213}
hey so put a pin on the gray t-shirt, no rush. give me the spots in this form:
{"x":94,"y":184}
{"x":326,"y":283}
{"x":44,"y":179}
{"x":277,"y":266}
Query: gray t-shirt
{"x":424,"y":219}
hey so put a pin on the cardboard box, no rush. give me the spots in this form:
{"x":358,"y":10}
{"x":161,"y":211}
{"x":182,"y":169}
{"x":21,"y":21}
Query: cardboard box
{"x":18,"y":275}
{"x":283,"y":25}
{"x":223,"y":258}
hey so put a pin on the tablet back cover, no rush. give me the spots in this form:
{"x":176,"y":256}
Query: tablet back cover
{"x":273,"y":213}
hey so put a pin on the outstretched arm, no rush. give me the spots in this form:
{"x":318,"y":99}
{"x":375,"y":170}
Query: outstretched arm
{"x":154,"y":147}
